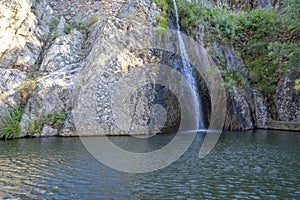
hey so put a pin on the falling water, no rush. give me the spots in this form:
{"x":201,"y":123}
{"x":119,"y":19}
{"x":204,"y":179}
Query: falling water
{"x":188,"y":70}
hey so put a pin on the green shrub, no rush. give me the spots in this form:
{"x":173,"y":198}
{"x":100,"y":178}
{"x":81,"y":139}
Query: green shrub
{"x":10,"y":127}
{"x":217,"y":22}
{"x":264,"y":46}
{"x":163,"y":18}
{"x":268,"y":40}
{"x":57,"y":117}
{"x":231,"y":78}
{"x":34,"y":127}
{"x":53,"y":24}
{"x":56,"y":120}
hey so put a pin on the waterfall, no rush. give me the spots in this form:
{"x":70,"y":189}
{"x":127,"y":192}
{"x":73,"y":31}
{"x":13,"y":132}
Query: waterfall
{"x":187,"y":70}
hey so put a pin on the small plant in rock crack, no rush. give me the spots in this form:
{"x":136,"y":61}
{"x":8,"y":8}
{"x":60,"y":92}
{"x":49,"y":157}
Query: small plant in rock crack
{"x":53,"y":23}
{"x":34,"y":127}
{"x":26,"y":89}
{"x":297,"y":85}
{"x":56,"y":119}
{"x":79,"y":23}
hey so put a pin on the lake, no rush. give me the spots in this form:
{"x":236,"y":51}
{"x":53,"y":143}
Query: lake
{"x":244,"y":165}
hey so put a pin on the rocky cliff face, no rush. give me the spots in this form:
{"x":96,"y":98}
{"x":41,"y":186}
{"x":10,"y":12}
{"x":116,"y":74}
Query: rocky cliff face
{"x":23,"y":34}
{"x":43,"y":65}
{"x":57,"y":69}
{"x":24,"y":31}
{"x":246,"y":106}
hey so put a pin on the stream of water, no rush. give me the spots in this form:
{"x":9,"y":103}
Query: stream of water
{"x":187,"y":70}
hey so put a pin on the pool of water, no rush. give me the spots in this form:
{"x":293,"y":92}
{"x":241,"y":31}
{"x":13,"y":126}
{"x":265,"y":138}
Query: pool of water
{"x":243,"y":165}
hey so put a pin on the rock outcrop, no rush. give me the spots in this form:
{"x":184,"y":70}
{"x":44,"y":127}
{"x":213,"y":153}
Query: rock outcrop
{"x":11,"y":80}
{"x":23,"y":33}
{"x":287,"y":98}
{"x":239,"y":109}
{"x":35,"y":47}
{"x":261,"y":113}
{"x":117,"y":91}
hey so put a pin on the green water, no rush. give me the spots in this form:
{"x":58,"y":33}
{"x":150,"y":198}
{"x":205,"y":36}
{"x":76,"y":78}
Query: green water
{"x":243,"y":165}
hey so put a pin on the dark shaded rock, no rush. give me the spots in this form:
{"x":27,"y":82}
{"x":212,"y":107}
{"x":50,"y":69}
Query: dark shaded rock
{"x":239,"y":115}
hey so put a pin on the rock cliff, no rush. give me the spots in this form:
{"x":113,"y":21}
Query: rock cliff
{"x":53,"y":53}
{"x":247,"y":107}
{"x":47,"y":53}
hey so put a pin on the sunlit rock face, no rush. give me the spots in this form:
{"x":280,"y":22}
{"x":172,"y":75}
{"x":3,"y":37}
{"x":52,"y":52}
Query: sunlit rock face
{"x":103,"y":104}
{"x":109,"y":98}
{"x":287,"y":98}
{"x":55,"y":90}
{"x":10,"y":81}
{"x":29,"y":55}
{"x":23,"y":32}
{"x":54,"y":60}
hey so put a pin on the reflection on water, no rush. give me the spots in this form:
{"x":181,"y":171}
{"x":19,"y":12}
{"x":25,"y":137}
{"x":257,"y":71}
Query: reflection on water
{"x":243,"y":165}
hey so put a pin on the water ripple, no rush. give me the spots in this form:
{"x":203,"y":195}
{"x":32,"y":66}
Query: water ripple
{"x":262,"y":165}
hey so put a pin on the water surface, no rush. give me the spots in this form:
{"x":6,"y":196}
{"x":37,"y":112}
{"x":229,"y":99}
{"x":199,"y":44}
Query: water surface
{"x":243,"y":165}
